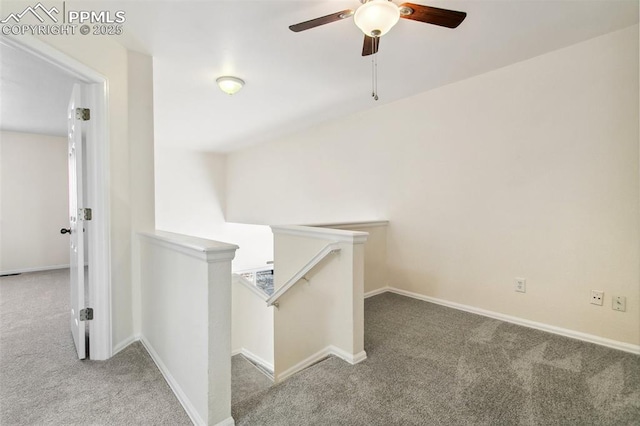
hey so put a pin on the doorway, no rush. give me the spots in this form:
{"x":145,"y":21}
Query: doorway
{"x":96,"y":158}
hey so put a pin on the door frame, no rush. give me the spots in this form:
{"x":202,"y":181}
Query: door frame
{"x":95,"y":94}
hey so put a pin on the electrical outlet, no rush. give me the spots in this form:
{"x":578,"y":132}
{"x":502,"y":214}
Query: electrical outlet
{"x":597,"y":297}
{"x":619,"y":303}
{"x":521,"y":285}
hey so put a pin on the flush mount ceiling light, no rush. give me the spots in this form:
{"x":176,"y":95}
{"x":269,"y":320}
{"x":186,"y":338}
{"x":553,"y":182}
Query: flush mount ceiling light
{"x":230,"y":85}
{"x":376,"y":17}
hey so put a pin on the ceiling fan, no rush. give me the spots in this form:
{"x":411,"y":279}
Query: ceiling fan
{"x":376,"y":17}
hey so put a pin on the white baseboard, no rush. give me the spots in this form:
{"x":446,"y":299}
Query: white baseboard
{"x":123,"y":344}
{"x":351,"y":359}
{"x":254,"y":358}
{"x":377,"y":291}
{"x":34,"y":269}
{"x":177,"y":390}
{"x":321,"y":354}
{"x":226,"y":422}
{"x":318,"y":356}
{"x":627,"y":347}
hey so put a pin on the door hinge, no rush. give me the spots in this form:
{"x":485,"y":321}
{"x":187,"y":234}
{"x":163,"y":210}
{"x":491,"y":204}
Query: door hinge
{"x":85,"y":214}
{"x":83,"y":114}
{"x":86,"y":314}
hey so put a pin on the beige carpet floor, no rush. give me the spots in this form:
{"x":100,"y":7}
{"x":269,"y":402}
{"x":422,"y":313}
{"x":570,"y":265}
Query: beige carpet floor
{"x":432,"y":365}
{"x":427,"y":365}
{"x":43,"y":383}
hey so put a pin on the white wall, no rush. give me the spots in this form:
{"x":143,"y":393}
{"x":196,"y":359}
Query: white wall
{"x":251,"y":325}
{"x":190,"y":196}
{"x":326,"y":313}
{"x":140,"y":84}
{"x":527,"y":171}
{"x":186,"y":320}
{"x":34,"y":202}
{"x":376,"y":271}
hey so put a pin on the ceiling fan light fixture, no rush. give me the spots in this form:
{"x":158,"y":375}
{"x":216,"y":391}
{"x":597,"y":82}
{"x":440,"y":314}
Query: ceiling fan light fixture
{"x":230,"y":85}
{"x":376,"y":17}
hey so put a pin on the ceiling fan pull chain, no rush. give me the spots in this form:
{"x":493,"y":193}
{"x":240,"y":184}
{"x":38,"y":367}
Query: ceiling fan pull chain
{"x":373,"y":73}
{"x":375,"y":65}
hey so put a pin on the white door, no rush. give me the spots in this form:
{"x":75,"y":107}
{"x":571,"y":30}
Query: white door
{"x":76,"y":224}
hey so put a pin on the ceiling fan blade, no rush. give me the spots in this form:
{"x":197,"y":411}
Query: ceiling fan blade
{"x":432,"y":15}
{"x":338,"y":16}
{"x":370,"y":45}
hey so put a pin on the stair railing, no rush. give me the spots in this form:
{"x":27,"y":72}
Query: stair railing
{"x":239,"y":279}
{"x":330,"y":248}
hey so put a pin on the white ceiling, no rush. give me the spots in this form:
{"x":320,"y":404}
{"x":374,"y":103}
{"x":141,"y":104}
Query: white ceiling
{"x":33,"y":94}
{"x":297,"y":80}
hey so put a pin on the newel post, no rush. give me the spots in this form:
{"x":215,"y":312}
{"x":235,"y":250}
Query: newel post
{"x":219,"y":345}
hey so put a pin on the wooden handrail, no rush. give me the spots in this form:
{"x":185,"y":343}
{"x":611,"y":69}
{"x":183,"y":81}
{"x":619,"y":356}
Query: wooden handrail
{"x":326,"y":250}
